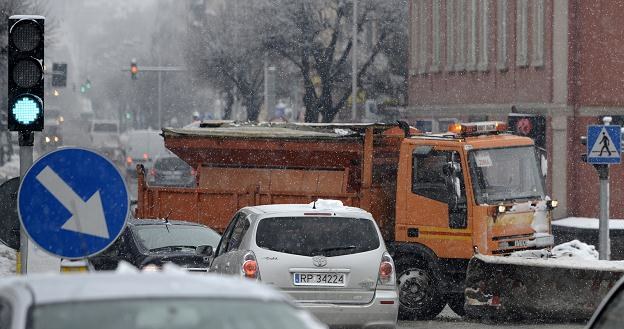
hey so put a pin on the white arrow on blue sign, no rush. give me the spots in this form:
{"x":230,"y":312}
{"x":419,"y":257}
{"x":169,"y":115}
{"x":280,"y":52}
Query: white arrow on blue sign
{"x":603,"y":144}
{"x":73,"y":203}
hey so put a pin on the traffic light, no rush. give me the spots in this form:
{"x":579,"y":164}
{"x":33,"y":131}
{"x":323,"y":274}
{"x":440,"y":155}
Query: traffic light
{"x":134,"y":69}
{"x":59,"y":74}
{"x":25,"y":59}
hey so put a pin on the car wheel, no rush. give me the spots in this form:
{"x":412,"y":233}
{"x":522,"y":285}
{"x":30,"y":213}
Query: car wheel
{"x":456,"y":303}
{"x":418,"y":294}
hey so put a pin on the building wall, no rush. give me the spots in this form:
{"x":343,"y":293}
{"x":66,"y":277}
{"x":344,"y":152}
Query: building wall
{"x":600,"y":53}
{"x":460,"y":55}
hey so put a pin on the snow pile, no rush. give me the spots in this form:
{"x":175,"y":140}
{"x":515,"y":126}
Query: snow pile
{"x":10,"y":169}
{"x":326,"y":204}
{"x":588,"y":223}
{"x":574,"y":249}
{"x":7,"y":261}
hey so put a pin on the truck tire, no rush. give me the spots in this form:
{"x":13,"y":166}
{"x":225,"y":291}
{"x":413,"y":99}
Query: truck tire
{"x":419,"y":298}
{"x":456,"y":303}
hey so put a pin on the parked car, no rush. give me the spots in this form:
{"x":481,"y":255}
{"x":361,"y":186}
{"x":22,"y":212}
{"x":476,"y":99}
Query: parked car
{"x":610,"y":313}
{"x":169,"y":170}
{"x":154,"y":242}
{"x":145,"y":301}
{"x":331,"y":259}
{"x":141,"y":147}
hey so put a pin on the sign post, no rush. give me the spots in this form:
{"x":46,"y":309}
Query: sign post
{"x":603,"y":149}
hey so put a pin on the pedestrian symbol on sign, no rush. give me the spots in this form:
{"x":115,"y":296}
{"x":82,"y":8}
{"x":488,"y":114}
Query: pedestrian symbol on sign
{"x":603,"y":144}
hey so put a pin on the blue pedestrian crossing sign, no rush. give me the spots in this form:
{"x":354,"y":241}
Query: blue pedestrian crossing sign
{"x":603,"y":144}
{"x":73,"y":203}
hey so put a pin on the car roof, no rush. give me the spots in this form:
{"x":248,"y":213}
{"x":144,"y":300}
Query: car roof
{"x":157,"y":221}
{"x":58,"y":288}
{"x":308,"y":209}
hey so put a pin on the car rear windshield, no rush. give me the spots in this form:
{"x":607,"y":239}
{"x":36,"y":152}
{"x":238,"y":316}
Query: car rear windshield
{"x":164,"y":237}
{"x":311,"y":236}
{"x":187,"y":313}
{"x":105,"y":127}
{"x":172,"y":164}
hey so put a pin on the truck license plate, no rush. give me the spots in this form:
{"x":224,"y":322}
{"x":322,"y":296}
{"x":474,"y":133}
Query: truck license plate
{"x":319,"y":279}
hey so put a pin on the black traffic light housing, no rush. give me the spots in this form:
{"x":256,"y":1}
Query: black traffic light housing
{"x":25,"y":81}
{"x":59,"y":75}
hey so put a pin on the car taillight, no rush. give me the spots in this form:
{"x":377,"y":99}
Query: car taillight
{"x":386,"y":270}
{"x":129,"y":160}
{"x":250,"y":266}
{"x":145,"y":156}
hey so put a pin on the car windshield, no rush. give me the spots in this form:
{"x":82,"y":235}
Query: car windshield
{"x":310,"y":236}
{"x":167,"y":236}
{"x":181,"y":313}
{"x":171,"y":164}
{"x":611,"y":316}
{"x":506,"y":174}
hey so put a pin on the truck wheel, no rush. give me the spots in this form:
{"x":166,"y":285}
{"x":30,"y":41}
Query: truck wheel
{"x":418,"y":295}
{"x":456,"y":303}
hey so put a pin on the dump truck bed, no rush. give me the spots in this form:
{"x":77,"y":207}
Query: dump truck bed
{"x":242,"y":165}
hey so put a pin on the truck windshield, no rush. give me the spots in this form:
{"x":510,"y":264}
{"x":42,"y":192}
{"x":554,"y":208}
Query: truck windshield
{"x":506,"y":174}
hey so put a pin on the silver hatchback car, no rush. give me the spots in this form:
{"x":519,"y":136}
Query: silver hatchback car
{"x":331,"y":259}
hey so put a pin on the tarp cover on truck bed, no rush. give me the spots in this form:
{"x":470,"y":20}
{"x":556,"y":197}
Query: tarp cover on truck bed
{"x":277,"y":130}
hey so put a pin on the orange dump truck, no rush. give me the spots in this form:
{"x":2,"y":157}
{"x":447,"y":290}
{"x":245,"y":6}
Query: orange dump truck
{"x":439,"y":199}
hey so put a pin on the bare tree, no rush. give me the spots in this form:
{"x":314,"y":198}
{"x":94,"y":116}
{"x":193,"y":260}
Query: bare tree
{"x":225,"y":50}
{"x":315,"y":36}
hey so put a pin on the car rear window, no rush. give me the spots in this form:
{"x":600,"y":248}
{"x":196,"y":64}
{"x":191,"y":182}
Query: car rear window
{"x":312,"y":236}
{"x":171,"y":164}
{"x":165,"y":236}
{"x":105,"y":127}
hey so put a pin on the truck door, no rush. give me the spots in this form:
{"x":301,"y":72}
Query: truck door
{"x":436,"y":206}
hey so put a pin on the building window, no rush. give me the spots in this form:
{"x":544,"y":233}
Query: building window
{"x":450,"y":33}
{"x":538,"y":33}
{"x":483,"y":39}
{"x":471,"y":64}
{"x":522,"y":33}
{"x":501,"y":62}
{"x":460,"y":16}
{"x":414,"y":37}
{"x":435,"y":61}
{"x":422,"y":38}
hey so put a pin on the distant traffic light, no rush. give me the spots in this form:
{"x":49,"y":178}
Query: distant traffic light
{"x":25,"y":59}
{"x":59,"y":74}
{"x":134,"y":69}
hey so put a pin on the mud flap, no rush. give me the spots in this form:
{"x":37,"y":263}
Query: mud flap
{"x":514,"y":288}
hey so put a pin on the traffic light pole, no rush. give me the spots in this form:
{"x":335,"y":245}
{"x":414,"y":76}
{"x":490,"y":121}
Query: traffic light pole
{"x":159,"y":69}
{"x":26,"y":142}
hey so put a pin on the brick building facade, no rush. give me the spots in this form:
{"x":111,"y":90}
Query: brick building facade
{"x":560,"y":60}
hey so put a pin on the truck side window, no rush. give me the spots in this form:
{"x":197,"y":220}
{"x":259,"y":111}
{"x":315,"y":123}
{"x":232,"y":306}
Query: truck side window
{"x":428,"y":178}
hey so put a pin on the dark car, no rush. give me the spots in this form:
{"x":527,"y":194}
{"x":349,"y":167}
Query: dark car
{"x":171,"y":171}
{"x":610,"y":313}
{"x":153,"y":242}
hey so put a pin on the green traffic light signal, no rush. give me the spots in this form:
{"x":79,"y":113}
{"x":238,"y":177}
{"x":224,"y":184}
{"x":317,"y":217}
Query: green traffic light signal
{"x":83,"y":89}
{"x":88,"y":84}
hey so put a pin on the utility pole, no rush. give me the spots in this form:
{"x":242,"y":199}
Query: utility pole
{"x":354,"y":66}
{"x":134,"y":70}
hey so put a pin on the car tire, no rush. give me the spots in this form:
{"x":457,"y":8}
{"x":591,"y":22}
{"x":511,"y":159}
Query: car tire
{"x":456,"y":303}
{"x":419,"y":298}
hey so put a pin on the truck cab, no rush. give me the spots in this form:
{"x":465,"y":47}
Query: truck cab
{"x":472,"y":190}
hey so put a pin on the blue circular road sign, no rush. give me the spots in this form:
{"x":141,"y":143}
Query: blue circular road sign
{"x":73,"y":203}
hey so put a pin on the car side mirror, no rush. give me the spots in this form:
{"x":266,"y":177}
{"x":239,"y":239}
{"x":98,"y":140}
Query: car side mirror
{"x":205,"y":250}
